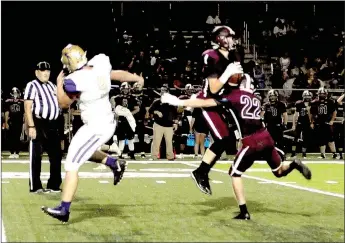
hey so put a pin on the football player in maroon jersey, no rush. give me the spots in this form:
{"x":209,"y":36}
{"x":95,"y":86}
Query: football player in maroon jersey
{"x":244,"y":107}
{"x":219,"y":65}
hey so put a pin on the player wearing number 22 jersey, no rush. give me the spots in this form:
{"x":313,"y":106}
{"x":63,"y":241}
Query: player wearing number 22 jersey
{"x":244,"y":108}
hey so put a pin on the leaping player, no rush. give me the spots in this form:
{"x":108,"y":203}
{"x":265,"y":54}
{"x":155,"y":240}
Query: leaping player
{"x":219,"y":64}
{"x":90,"y":82}
{"x":244,"y":107}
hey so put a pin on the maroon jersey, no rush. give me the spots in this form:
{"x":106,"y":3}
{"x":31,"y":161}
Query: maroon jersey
{"x":244,"y":109}
{"x":273,"y":112}
{"x":322,"y":111}
{"x":214,"y":65}
{"x":302,"y":110}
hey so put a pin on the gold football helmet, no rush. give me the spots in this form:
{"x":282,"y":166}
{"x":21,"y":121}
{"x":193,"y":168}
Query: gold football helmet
{"x":73,"y":57}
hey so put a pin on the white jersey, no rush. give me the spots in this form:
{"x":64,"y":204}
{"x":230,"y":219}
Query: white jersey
{"x":93,"y":85}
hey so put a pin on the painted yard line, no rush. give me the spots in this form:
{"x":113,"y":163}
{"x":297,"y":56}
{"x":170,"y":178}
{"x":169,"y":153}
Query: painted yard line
{"x":279,"y":183}
{"x":190,"y":170}
{"x":24,"y":161}
{"x":3,"y":233}
{"x":96,"y":175}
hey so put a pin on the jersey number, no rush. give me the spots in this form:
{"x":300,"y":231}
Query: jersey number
{"x":248,"y":104}
{"x":322,"y":110}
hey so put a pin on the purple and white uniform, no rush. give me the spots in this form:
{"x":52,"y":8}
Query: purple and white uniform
{"x":92,"y":87}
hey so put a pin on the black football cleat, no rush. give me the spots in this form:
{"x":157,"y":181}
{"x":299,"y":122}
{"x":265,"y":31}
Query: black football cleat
{"x":303,"y":169}
{"x":243,"y":216}
{"x":202,"y":182}
{"x":59,"y":213}
{"x":335,"y":156}
{"x":119,"y":171}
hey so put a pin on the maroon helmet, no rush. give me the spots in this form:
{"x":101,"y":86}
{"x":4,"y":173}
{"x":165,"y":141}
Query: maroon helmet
{"x":222,"y":37}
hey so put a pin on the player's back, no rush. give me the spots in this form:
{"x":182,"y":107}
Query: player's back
{"x":244,"y":108}
{"x":94,"y":85}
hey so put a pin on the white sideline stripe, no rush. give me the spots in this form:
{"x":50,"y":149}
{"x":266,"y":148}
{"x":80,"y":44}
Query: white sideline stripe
{"x":3,"y":233}
{"x":23,"y":161}
{"x":97,"y":175}
{"x":279,"y":183}
{"x":5,"y":182}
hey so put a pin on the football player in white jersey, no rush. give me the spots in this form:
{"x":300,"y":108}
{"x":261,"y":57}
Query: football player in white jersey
{"x":90,"y":83}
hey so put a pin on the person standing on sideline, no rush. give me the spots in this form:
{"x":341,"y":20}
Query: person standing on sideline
{"x":14,"y":110}
{"x":41,"y":114}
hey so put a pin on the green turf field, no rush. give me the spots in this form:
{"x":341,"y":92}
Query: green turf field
{"x":158,"y":201}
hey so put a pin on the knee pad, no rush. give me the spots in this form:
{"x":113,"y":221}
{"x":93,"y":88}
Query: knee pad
{"x":276,"y":174}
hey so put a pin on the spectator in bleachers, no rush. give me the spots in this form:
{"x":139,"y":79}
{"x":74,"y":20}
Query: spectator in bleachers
{"x":285,"y":62}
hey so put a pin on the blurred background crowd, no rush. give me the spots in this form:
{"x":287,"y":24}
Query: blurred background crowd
{"x":288,"y":46}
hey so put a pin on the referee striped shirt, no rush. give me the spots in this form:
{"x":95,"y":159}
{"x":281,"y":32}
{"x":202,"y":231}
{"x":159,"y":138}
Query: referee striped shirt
{"x":43,"y":95}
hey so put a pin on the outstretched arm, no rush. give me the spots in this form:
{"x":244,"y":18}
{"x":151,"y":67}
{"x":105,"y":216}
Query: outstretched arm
{"x":192,"y":102}
{"x":124,"y":76}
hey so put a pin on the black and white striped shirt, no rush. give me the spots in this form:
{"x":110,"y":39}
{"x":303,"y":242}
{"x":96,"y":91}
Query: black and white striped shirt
{"x":43,"y":95}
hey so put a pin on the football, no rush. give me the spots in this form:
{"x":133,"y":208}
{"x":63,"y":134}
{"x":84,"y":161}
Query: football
{"x":235,"y":79}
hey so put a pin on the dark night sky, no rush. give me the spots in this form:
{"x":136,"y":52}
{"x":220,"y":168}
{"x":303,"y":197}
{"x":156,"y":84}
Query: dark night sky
{"x":38,"y":31}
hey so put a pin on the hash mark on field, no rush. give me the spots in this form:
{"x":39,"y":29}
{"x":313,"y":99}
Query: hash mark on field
{"x":278,"y":183}
{"x":103,"y":182}
{"x":161,"y":182}
{"x":331,"y":182}
{"x":5,"y":182}
{"x":216,"y":182}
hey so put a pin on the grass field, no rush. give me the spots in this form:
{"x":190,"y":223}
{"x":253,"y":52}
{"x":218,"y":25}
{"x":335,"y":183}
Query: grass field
{"x":158,"y":201}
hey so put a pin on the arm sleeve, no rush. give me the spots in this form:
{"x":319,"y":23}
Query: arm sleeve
{"x":30,"y":91}
{"x":72,"y":87}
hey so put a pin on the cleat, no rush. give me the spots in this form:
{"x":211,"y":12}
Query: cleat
{"x":304,"y":155}
{"x":119,"y":171}
{"x":143,"y":156}
{"x":303,"y":169}
{"x":323,"y":156}
{"x":335,"y":156}
{"x":58,"y":213}
{"x":245,"y":216}
{"x":52,"y":190}
{"x":202,"y":182}
{"x":38,"y":191}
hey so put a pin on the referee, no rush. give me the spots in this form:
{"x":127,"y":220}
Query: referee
{"x":41,"y":113}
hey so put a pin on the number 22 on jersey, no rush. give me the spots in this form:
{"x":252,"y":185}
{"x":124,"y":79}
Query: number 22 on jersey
{"x":251,"y":109}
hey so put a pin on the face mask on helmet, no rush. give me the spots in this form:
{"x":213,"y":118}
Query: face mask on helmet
{"x":272,"y":97}
{"x":124,"y":89}
{"x":164,"y":90}
{"x":189,"y":89}
{"x":224,"y":38}
{"x":73,"y":58}
{"x":322,"y":94}
{"x":306,"y":96}
{"x":137,"y":88}
{"x":15,"y":93}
